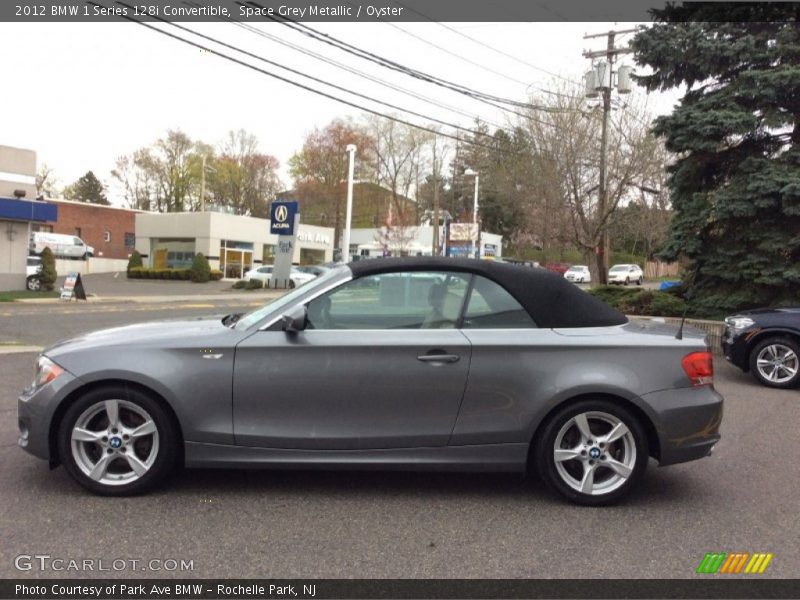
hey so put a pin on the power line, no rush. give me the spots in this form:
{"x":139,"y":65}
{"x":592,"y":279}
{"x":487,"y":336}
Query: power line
{"x":445,"y":50}
{"x":492,"y":48}
{"x":390,"y":64}
{"x":297,"y":84}
{"x":322,"y":81}
{"x":357,"y":72}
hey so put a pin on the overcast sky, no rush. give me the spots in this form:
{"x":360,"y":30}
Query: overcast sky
{"x":84,"y":94}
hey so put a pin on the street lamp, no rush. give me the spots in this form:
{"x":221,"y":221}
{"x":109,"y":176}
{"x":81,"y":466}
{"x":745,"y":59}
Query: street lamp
{"x":351,"y":150}
{"x":470,"y":173}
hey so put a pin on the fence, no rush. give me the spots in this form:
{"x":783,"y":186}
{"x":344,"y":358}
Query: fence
{"x":715,"y":330}
{"x":656,"y":268}
{"x":92,"y":265}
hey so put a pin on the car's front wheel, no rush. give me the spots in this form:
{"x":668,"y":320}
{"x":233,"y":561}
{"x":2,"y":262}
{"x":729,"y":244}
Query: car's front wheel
{"x":117,"y":441}
{"x":592,"y":452}
{"x":33,"y":284}
{"x":774,"y":362}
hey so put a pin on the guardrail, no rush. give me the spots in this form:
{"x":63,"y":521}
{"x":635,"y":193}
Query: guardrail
{"x":714,"y":329}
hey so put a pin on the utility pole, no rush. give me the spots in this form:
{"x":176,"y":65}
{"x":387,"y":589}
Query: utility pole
{"x":601,"y":79}
{"x":435,"y":249}
{"x":203,"y":186}
{"x":351,"y":151}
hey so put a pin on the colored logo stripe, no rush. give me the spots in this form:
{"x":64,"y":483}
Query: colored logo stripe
{"x":733,"y":563}
{"x":711,"y":562}
{"x":758,"y":563}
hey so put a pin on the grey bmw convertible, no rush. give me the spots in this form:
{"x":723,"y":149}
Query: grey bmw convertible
{"x":413,"y":363}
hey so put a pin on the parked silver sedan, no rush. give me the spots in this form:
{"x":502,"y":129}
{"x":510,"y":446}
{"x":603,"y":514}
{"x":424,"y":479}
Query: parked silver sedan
{"x":417,"y":363}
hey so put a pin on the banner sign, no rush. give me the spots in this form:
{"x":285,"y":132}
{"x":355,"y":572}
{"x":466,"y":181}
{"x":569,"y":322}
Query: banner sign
{"x":463,"y":232}
{"x":319,"y":589}
{"x":73,"y":288}
{"x":282,"y":217}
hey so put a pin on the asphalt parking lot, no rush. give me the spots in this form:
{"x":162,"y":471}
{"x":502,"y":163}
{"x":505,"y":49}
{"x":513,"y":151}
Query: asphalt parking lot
{"x":326,"y":524}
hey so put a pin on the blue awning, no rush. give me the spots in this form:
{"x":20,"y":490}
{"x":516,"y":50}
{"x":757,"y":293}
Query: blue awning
{"x":27,"y":210}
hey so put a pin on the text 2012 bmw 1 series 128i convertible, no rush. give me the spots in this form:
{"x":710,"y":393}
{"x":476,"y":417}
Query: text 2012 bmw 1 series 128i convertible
{"x":414,"y":363}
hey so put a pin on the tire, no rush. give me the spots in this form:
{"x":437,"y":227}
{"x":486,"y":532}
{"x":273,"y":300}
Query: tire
{"x":156,"y":447}
{"x":639,"y":281}
{"x":775,"y":362}
{"x":566,"y":476}
{"x":291,"y":284}
{"x":627,"y":281}
{"x":33,"y":284}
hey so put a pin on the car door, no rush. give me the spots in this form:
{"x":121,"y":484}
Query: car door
{"x":381,"y":364}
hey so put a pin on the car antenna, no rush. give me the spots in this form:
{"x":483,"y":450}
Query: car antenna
{"x":679,"y":335}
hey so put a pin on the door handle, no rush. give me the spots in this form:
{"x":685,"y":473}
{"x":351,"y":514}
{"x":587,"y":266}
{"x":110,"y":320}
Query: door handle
{"x":439,"y":358}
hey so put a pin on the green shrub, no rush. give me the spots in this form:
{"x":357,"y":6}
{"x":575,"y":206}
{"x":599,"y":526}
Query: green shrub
{"x":134,"y":262}
{"x":216,"y":274}
{"x":200,"y":271}
{"x":636,"y":301}
{"x":255,"y":284}
{"x":241,"y":284}
{"x":48,"y":274}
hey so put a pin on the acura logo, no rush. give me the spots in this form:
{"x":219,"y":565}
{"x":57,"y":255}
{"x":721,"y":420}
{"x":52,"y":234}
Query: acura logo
{"x":281,"y":213}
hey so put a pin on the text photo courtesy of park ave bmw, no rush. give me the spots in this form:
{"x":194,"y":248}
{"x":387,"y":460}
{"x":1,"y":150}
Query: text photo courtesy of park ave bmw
{"x":405,"y":299}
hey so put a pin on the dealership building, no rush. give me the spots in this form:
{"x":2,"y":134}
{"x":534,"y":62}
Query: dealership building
{"x":455,"y":240}
{"x":20,"y":212}
{"x":232,"y":243}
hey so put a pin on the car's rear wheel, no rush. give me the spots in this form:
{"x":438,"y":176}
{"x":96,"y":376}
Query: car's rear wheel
{"x":117,"y":441}
{"x":33,"y":284}
{"x":775,"y":362}
{"x":592,"y":452}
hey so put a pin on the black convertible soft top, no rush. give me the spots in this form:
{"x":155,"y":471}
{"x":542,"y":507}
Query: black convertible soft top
{"x":550,"y":299}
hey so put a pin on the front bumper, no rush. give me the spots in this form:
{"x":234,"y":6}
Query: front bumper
{"x":734,"y":347}
{"x":35,"y":410}
{"x":687,"y":422}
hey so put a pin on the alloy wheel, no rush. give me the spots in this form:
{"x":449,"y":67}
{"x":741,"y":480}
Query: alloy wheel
{"x":594,"y":453}
{"x":114,"y":442}
{"x":777,"y":363}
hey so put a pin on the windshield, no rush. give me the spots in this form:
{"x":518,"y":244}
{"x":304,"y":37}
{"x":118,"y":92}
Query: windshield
{"x":619,"y":268}
{"x":254,"y":316}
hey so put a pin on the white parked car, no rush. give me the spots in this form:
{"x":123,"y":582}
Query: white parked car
{"x":264,"y":273}
{"x":32,"y":273}
{"x":61,"y":245}
{"x":578,"y":274}
{"x":625,"y":274}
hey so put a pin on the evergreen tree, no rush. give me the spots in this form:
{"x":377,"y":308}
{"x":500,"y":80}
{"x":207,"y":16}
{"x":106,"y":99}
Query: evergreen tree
{"x":87,"y":189}
{"x":48,"y":274}
{"x":200,"y":271}
{"x":735,"y":186}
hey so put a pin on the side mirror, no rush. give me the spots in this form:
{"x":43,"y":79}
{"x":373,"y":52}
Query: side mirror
{"x":295,"y":319}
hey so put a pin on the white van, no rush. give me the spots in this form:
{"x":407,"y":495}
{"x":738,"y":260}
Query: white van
{"x":61,"y":245}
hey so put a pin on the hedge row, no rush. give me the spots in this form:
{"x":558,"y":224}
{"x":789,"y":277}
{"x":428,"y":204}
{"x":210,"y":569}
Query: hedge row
{"x":638,"y":301}
{"x":177,"y":274}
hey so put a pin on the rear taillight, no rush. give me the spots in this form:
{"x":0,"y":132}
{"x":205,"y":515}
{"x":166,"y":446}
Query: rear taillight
{"x":699,"y":368}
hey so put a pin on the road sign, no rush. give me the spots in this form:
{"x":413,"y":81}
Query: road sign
{"x":73,"y":288}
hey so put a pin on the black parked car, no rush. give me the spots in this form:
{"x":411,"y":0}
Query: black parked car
{"x":766,"y":342}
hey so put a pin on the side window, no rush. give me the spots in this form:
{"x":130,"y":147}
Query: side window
{"x":409,"y":300}
{"x":492,"y":307}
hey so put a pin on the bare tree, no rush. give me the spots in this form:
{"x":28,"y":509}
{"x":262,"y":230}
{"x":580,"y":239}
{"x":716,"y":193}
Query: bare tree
{"x":566,"y":140}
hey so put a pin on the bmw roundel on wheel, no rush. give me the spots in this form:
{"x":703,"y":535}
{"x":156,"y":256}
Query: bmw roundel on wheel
{"x":415,"y":363}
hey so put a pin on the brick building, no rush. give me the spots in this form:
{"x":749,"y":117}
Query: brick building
{"x":110,"y":230}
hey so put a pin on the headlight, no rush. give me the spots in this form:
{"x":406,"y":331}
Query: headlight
{"x":739,"y":322}
{"x":46,"y":371}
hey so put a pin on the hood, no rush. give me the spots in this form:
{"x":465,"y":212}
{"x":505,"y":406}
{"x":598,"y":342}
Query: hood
{"x":788,"y":310}
{"x":143,"y":334}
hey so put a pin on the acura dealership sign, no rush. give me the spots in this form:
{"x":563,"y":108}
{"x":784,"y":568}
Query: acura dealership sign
{"x":282,"y":217}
